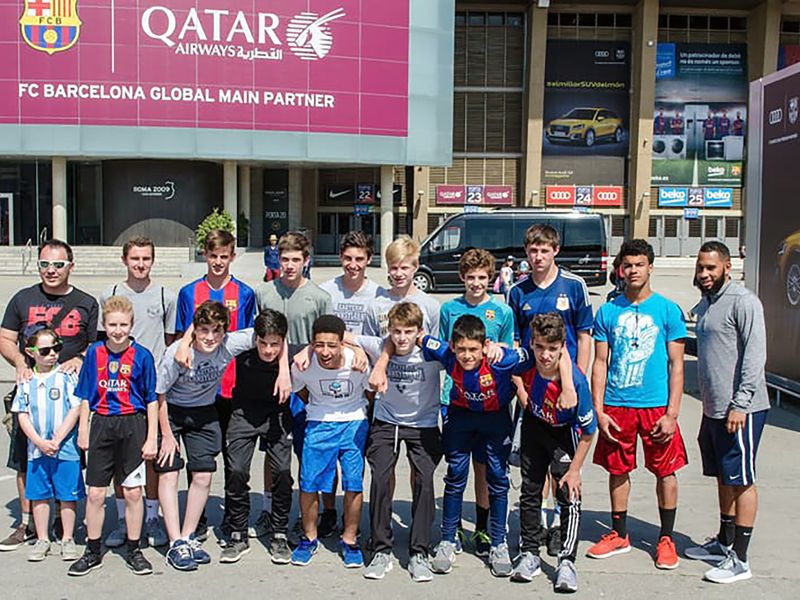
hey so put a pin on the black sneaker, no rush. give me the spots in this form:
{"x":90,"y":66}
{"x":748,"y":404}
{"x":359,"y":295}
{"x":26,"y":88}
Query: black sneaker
{"x":85,"y":564}
{"x":279,"y":549}
{"x":553,"y":541}
{"x":137,"y":563}
{"x":327,"y":524}
{"x":235,"y":549}
{"x":201,"y":531}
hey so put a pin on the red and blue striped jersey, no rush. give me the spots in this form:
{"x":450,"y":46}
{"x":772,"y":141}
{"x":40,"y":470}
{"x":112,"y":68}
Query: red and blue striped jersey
{"x":117,"y":384}
{"x":240,"y":300}
{"x":543,"y":397}
{"x":485,"y":389}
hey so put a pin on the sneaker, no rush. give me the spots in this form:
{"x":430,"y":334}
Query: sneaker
{"x":39,"y":551}
{"x":553,"y":541}
{"x":223,"y":534}
{"x":118,"y":537}
{"x":377,"y":569}
{"x":327,"y":524}
{"x":444,"y":559}
{"x":201,"y":531}
{"x":419,"y":569}
{"x":461,"y":539}
{"x":69,"y":550}
{"x":22,"y":534}
{"x":262,"y":527}
{"x":235,"y":549}
{"x":730,"y":570}
{"x":306,"y":549}
{"x":137,"y":563}
{"x":500,"y":561}
{"x":153,"y":533}
{"x":528,"y":566}
{"x":609,"y":545}
{"x":279,"y":549}
{"x":481,"y":543}
{"x":711,"y":550}
{"x":85,"y":564}
{"x":179,"y":556}
{"x":666,"y":555}
{"x":566,"y":577}
{"x":351,"y":555}
{"x":201,"y":557}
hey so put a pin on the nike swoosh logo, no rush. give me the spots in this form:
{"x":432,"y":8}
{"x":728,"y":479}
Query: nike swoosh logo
{"x":332,"y":194}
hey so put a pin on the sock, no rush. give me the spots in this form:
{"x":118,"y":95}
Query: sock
{"x":481,"y":518}
{"x":93,"y":546}
{"x":741,"y":541}
{"x":727,"y":529}
{"x":544,"y":517}
{"x":27,"y":519}
{"x":266,"y":505}
{"x":667,"y":516}
{"x":121,"y":509}
{"x":132,"y":545}
{"x":619,"y":522}
{"x":151,"y":509}
{"x":556,"y":517}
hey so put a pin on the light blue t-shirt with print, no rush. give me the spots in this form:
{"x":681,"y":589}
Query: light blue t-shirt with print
{"x":637,"y":337}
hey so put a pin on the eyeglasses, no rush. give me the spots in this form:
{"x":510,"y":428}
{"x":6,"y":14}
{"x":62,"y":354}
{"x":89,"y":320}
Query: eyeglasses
{"x":46,"y":351}
{"x":56,"y":264}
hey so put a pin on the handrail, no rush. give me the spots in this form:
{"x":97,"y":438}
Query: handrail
{"x":26,"y":255}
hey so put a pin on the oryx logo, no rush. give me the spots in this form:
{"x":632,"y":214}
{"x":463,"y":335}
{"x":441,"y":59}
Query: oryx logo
{"x":793,"y":110}
{"x":775,"y":116}
{"x":309,"y":36}
{"x":50,"y":25}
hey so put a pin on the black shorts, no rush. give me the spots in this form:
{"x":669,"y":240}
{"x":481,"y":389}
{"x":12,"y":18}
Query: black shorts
{"x":115,"y":447}
{"x":17,"y":447}
{"x":200,"y":431}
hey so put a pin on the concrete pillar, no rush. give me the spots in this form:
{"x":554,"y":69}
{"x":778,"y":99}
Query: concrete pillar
{"x":244,"y":200}
{"x":643,"y":84}
{"x":418,"y":195}
{"x":229,"y":191}
{"x":295,"y":198}
{"x":534,"y":124}
{"x":763,"y":38}
{"x":387,"y":209}
{"x":59,"y":167}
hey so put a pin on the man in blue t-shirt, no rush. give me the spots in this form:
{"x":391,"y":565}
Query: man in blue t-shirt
{"x":637,"y":385}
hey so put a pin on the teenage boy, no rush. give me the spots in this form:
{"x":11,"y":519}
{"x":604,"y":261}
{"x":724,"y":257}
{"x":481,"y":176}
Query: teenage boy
{"x":336,"y":432}
{"x":407,"y":412}
{"x":154,"y":309}
{"x":637,"y":385}
{"x":186,"y":412}
{"x":552,"y":438}
{"x":73,"y":315}
{"x":731,"y":351}
{"x":258,"y":413}
{"x":117,"y":385}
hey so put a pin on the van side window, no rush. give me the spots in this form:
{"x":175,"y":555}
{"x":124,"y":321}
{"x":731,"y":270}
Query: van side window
{"x":492,"y":233}
{"x":449,"y":238}
{"x":580,"y":234}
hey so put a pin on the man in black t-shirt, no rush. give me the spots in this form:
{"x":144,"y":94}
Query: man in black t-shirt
{"x":73,"y":315}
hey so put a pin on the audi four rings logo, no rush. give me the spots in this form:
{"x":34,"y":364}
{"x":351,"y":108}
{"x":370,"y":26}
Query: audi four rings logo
{"x":775,"y":116}
{"x":561,"y":195}
{"x":602,"y":53}
{"x":607,"y":195}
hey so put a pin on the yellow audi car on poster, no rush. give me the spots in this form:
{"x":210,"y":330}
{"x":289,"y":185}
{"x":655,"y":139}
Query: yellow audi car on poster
{"x":585,"y":126}
{"x":789,"y":268}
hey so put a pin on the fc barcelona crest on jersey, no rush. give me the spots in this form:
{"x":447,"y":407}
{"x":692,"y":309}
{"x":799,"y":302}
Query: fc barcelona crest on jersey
{"x":485,"y":380}
{"x":231,"y":304}
{"x":50,"y":25}
{"x":124,"y":369}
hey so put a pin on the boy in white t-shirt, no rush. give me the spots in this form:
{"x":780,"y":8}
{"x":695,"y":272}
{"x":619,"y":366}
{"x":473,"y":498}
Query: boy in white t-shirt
{"x":336,"y":430}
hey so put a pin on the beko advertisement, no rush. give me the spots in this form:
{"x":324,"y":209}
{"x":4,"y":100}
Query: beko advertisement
{"x":700,"y":115}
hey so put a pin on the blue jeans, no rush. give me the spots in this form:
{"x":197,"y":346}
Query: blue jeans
{"x":463,"y":432}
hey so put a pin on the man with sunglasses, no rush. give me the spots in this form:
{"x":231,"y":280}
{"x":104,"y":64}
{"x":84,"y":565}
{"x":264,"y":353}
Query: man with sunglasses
{"x":73,"y":315}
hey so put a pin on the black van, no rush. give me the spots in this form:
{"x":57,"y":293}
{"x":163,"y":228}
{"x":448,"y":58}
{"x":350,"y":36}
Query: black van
{"x":501,"y":232}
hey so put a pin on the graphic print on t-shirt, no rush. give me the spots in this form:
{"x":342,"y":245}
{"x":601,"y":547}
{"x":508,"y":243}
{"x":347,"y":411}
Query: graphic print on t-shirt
{"x":69,"y":326}
{"x":635,"y":336}
{"x":335,"y":388}
{"x":402,"y":375}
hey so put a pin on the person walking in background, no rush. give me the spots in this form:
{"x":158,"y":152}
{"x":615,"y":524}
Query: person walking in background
{"x":272,"y":259}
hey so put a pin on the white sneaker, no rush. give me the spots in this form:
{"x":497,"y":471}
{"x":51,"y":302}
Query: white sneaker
{"x":117,"y":537}
{"x":729,"y":570}
{"x":444,"y":558}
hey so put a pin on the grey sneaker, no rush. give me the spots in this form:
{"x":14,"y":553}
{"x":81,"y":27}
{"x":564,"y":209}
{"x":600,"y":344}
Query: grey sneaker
{"x":711,"y":550}
{"x":500,"y":561}
{"x":117,"y":537}
{"x":444,"y":558}
{"x":153,"y":533}
{"x":377,"y":569}
{"x":235,"y":549}
{"x":729,"y":570}
{"x":528,"y":566}
{"x":419,"y":569}
{"x":279,"y":549}
{"x":566,"y":577}
{"x":39,"y":551}
{"x":262,"y":527}
{"x":69,"y":550}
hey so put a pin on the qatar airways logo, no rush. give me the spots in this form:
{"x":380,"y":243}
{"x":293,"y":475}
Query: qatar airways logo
{"x":114,"y":385}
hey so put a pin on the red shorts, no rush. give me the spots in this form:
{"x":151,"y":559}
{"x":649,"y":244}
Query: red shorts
{"x":620,"y":458}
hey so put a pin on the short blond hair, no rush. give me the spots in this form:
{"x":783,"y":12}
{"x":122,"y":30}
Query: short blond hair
{"x":400,"y":249}
{"x":117,"y":304}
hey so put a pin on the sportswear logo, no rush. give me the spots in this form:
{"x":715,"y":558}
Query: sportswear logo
{"x":565,"y":458}
{"x":526,"y":306}
{"x":332,"y":194}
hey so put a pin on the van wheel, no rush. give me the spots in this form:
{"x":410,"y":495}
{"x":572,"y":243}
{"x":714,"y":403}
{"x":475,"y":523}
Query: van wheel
{"x":423,"y":282}
{"x":589,"y":139}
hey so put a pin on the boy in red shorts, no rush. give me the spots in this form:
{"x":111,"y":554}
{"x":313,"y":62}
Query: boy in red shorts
{"x":637,"y":383}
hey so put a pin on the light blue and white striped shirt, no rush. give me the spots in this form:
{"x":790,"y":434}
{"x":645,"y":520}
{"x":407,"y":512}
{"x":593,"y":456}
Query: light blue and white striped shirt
{"x":47,"y":398}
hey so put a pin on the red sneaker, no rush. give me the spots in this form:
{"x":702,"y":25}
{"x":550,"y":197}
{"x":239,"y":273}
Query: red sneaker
{"x":609,"y":545}
{"x":666,"y":556}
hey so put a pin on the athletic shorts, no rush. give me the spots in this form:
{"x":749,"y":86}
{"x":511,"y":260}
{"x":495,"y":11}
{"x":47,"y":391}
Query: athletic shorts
{"x":327,"y":442}
{"x":620,"y":458}
{"x":198,"y":427}
{"x":115,"y":447}
{"x":50,"y":477}
{"x":731,"y":456}
{"x":17,"y":447}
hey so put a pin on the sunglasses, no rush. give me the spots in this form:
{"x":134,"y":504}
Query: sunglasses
{"x":46,"y":351}
{"x":56,"y":264}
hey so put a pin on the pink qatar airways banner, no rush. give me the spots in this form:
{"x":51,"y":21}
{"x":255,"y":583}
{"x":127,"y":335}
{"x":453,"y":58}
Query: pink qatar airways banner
{"x":309,"y":66}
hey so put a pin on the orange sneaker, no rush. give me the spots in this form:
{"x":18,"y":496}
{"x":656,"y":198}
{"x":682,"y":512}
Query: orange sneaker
{"x":666,"y":556}
{"x":609,"y":545}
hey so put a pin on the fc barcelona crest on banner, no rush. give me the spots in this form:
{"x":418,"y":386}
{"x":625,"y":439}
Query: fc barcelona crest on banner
{"x":50,"y":25}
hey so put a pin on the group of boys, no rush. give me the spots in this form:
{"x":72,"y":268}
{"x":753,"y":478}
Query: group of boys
{"x":227,"y":383}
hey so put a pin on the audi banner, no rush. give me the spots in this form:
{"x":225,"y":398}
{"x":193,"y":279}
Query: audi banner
{"x":603,"y":196}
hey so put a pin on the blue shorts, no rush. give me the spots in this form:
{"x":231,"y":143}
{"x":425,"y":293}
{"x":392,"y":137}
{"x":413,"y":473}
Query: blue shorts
{"x":49,"y":477}
{"x":325,"y":443}
{"x":731,"y":456}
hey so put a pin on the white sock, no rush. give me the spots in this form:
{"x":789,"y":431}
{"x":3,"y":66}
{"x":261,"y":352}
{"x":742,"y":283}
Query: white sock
{"x":151,"y":509}
{"x":267,"y":502}
{"x":121,"y":509}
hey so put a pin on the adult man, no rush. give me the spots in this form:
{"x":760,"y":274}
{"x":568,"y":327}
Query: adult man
{"x":731,"y":350}
{"x":637,"y":385}
{"x":73,"y":315}
{"x":154,"y":310}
